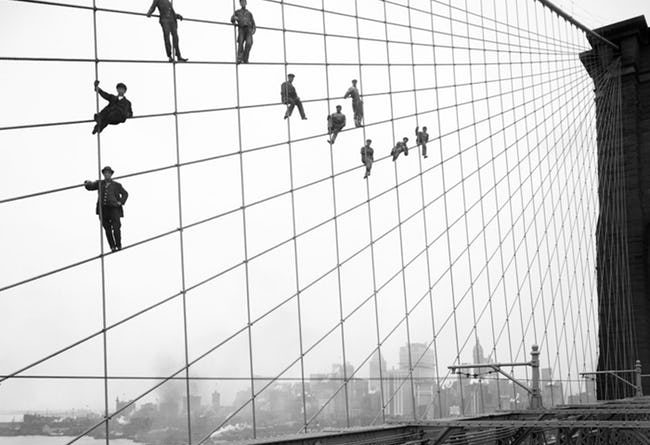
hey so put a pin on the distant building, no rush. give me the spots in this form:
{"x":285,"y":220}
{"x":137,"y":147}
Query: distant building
{"x":400,"y":396}
{"x":377,"y":371}
{"x":216,"y":400}
{"x":129,"y":408}
{"x":552,"y":391}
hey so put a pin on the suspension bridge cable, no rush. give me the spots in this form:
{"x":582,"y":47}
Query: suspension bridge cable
{"x":192,"y":288}
{"x":267,"y":146}
{"x":556,"y":201}
{"x":203,"y":355}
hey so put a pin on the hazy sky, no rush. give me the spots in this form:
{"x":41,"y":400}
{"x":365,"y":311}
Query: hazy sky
{"x":516,"y":198}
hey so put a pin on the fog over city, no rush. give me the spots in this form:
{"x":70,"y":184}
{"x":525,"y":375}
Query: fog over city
{"x":261,"y":280}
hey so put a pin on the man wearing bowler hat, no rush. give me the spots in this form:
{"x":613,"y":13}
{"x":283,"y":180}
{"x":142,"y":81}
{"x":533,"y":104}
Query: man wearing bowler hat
{"x":111,"y":197}
{"x":117,"y":111}
{"x":290,"y":97}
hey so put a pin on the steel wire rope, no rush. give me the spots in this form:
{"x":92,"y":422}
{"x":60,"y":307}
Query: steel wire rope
{"x":454,"y":37}
{"x":235,"y":153}
{"x":233,"y":108}
{"x":426,"y":237}
{"x":400,"y":221}
{"x":238,"y":410}
{"x":422,"y":200}
{"x":100,"y":213}
{"x":350,"y":314}
{"x":481,"y":271}
{"x":607,"y":132}
{"x":507,"y":267}
{"x":168,"y":299}
{"x":346,"y":392}
{"x":499,"y":223}
{"x":181,"y":246}
{"x":370,"y":228}
{"x":558,"y":44}
{"x":584,"y":273}
{"x":560,"y":288}
{"x":510,"y":208}
{"x":199,"y":222}
{"x":567,"y":308}
{"x":157,"y":304}
{"x":605,"y":137}
{"x":496,"y":22}
{"x":295,"y":242}
{"x":156,"y":237}
{"x":247,"y":259}
{"x":422,"y":298}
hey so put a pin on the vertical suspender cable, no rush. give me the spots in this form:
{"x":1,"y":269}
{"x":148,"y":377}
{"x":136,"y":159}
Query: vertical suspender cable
{"x":181,"y":247}
{"x":249,"y":327}
{"x":399,"y":221}
{"x":426,"y":230}
{"x":101,"y":235}
{"x":295,"y":241}
{"x":371,"y":234}
{"x":336,"y":229}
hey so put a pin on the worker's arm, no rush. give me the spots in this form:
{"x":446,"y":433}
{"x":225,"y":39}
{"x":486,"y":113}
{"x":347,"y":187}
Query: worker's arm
{"x":91,"y":185}
{"x":153,"y":8}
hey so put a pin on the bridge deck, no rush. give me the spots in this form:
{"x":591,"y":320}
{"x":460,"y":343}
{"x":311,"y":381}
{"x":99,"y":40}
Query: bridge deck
{"x":625,"y":421}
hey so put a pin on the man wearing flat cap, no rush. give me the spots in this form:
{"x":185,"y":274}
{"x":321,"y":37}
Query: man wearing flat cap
{"x":290,"y":97}
{"x":400,"y":147}
{"x":117,"y":111}
{"x":111,"y":196}
{"x":244,"y":21}
{"x":335,"y":123}
{"x":357,"y":103}
{"x":367,"y":157}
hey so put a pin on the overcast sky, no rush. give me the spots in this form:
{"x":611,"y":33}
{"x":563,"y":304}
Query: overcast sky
{"x":511,"y":196}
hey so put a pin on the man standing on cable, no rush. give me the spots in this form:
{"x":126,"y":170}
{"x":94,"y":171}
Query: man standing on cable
{"x":335,"y":123}
{"x":367,"y":157}
{"x":169,"y":26}
{"x":290,"y":97}
{"x":421,"y":139}
{"x":243,"y":19}
{"x":116,"y":112}
{"x":400,"y":146}
{"x":357,"y":103}
{"x":112,"y":197}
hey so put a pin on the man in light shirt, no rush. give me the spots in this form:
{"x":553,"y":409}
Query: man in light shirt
{"x":243,"y":19}
{"x":357,"y":103}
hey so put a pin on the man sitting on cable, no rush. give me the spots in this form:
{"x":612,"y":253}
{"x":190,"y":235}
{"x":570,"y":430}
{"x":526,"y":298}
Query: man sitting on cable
{"x":400,"y":146}
{"x":116,"y":112}
{"x":335,"y":123}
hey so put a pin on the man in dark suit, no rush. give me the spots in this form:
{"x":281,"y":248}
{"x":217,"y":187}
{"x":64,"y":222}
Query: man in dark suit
{"x":169,"y":27}
{"x":111,"y":197}
{"x":290,"y":97}
{"x":243,"y":19}
{"x":367,"y":157}
{"x":117,"y":111}
{"x":421,"y":138}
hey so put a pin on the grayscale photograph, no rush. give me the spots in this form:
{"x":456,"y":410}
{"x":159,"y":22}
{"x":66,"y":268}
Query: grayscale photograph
{"x":324,"y":222}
